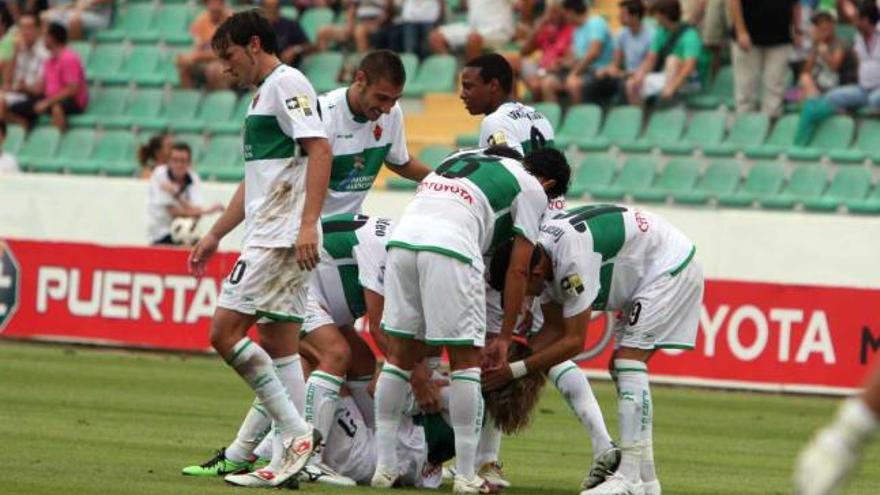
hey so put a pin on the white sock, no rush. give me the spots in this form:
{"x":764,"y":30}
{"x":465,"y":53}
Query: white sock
{"x":573,"y":385}
{"x":466,"y":412}
{"x":358,"y":388}
{"x":490,"y":443}
{"x":252,"y":431}
{"x":633,"y":410}
{"x":255,"y":366}
{"x":322,"y":397}
{"x":289,"y":369}
{"x":264,"y":449}
{"x":391,"y":392}
{"x":856,"y":422}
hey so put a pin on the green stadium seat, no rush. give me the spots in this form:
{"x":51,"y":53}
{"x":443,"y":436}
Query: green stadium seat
{"x":73,"y":152}
{"x":551,"y":111}
{"x":104,"y":103}
{"x":866,"y":146}
{"x":720,"y":92}
{"x":869,"y":205}
{"x":637,"y":174}
{"x":142,"y":67}
{"x":289,"y":12}
{"x":429,"y":155}
{"x":705,"y":129}
{"x":135,"y":22}
{"x":664,"y":126}
{"x":764,"y":179}
{"x":222,"y":154}
{"x":172,"y":25}
{"x":233,"y":124}
{"x":105,"y":62}
{"x":114,"y":153}
{"x":849,"y":184}
{"x":806,"y":182}
{"x":216,"y":107}
{"x":168,"y":65}
{"x":581,"y":123}
{"x":594,"y":173}
{"x":834,"y":133}
{"x":721,"y":178}
{"x":435,"y":75}
{"x":196,"y":144}
{"x":313,"y":19}
{"x":679,"y":175}
{"x":748,"y":130}
{"x":83,"y":49}
{"x":322,"y":69}
{"x":781,"y":139}
{"x":622,"y":124}
{"x":14,"y":138}
{"x":40,"y":144}
{"x":142,"y":104}
{"x":181,"y":106}
{"x":410,"y":65}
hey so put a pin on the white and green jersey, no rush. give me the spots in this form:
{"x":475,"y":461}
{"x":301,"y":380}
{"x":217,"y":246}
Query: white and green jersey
{"x":283,"y":110}
{"x":516,"y":126}
{"x":471,"y":203}
{"x":602,"y":255}
{"x":360,"y":147}
{"x":353,"y":259}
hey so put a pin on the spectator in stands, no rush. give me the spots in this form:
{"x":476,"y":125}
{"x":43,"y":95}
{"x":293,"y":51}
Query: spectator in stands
{"x":80,"y":16}
{"x":201,"y":65}
{"x":293,"y":44}
{"x":8,"y":162}
{"x":419,"y":17}
{"x":633,"y":44}
{"x":363,"y":18}
{"x":821,"y":71}
{"x":545,"y":50}
{"x":866,"y":92}
{"x":23,"y":78}
{"x":763,"y":44}
{"x":66,"y":92}
{"x":154,"y":153}
{"x":675,"y":62}
{"x":8,"y":37}
{"x":489,"y":24}
{"x":709,"y":17}
{"x":175,"y":191}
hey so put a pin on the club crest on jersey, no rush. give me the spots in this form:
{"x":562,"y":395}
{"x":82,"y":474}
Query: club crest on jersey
{"x":497,"y":139}
{"x":301,"y":103}
{"x":377,"y":132}
{"x":572,"y":284}
{"x":255,"y":100}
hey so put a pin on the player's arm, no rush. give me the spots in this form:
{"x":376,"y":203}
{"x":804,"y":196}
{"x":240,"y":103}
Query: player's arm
{"x":375,"y":305}
{"x":413,"y":170}
{"x":317,"y":181}
{"x":572,"y":331}
{"x":207,"y":245}
{"x":516,"y":279}
{"x":593,"y":52}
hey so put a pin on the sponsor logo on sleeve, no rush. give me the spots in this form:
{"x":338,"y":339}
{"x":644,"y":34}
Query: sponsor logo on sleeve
{"x":300,"y":103}
{"x":572,"y":285}
{"x":497,"y":139}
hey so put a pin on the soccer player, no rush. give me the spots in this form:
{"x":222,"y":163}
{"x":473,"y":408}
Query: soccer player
{"x":364,"y":124}
{"x":279,"y":201}
{"x":434,"y":284}
{"x":825,"y":465}
{"x":608,"y":258}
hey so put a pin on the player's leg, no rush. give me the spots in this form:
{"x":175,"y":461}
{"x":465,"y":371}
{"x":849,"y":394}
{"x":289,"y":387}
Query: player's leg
{"x":360,"y":374}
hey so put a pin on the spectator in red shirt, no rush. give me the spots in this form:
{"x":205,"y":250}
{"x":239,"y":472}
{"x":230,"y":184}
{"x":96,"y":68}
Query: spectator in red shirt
{"x":546,"y":49}
{"x":66,"y":92}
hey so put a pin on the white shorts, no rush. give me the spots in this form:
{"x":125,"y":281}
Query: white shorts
{"x":434,"y":298}
{"x":665,"y":314}
{"x":268,"y":283}
{"x":655,"y":82}
{"x":316,"y":317}
{"x":456,"y":35}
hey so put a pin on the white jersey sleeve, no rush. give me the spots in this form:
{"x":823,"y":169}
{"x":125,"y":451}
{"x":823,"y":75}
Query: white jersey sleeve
{"x":576,"y":267}
{"x":528,"y":209}
{"x":398,"y":155}
{"x":499,"y":130}
{"x":297,"y":105}
{"x":369,"y":254}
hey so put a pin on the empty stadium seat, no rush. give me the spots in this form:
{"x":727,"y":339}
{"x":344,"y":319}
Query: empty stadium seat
{"x":222,"y":159}
{"x":313,"y":19}
{"x":780,"y":140}
{"x":41,"y":143}
{"x":748,"y":130}
{"x":833,"y":133}
{"x":806,"y":182}
{"x":429,"y":155}
{"x":135,"y":22}
{"x":105,"y":61}
{"x":322,"y":69}
{"x":866,"y":146}
{"x":83,"y":49}
{"x":435,"y":75}
{"x":114,"y":153}
{"x":14,"y":138}
{"x":849,"y":184}
{"x":637,"y":174}
{"x":181,"y":106}
{"x":622,"y":124}
{"x":410,"y":65}
{"x":140,"y":66}
{"x":721,"y":178}
{"x":704,"y":130}
{"x":75,"y":147}
{"x":551,"y":111}
{"x":581,"y":123}
{"x":233,"y":124}
{"x":217,"y":106}
{"x":763,"y":179}
{"x":143,"y":104}
{"x":719,"y":93}
{"x":104,"y":103}
{"x":665,"y":126}
{"x":172,"y":24}
{"x":869,"y":205}
{"x":679,"y":175}
{"x":594,"y":173}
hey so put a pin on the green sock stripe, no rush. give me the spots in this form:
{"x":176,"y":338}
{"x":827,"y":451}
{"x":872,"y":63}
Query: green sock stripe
{"x":327,"y":377}
{"x":395,"y":372}
{"x":288,"y":363}
{"x":262,"y":380}
{"x":241,"y":349}
{"x":566,"y":370}
{"x":261,"y":410}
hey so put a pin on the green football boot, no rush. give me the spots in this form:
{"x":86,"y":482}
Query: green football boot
{"x":218,"y":466}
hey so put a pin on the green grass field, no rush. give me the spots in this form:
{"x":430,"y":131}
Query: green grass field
{"x":81,"y":421}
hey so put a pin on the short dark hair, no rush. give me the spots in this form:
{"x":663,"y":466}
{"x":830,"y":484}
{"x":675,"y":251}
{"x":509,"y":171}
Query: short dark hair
{"x":383,"y":65}
{"x":493,"y":66}
{"x":633,"y":7}
{"x":241,"y":27}
{"x":58,"y":32}
{"x":503,"y":151}
{"x":181,"y":146}
{"x":579,"y":7}
{"x":868,"y":9}
{"x":549,"y":163}
{"x":670,"y":9}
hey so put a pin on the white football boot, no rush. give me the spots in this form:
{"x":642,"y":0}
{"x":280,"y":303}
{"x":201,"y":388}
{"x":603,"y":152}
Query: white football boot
{"x":384,"y":479}
{"x":493,"y":473}
{"x":318,"y":472}
{"x":473,"y":485}
{"x":825,"y":465}
{"x":616,"y":484}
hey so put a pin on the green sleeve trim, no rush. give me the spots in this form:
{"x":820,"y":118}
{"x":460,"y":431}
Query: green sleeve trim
{"x":451,"y":342}
{"x":280,"y":316}
{"x":397,"y":332}
{"x":566,"y":370}
{"x":465,"y":379}
{"x":434,"y":249}
{"x":239,"y":351}
{"x":684,"y":263}
{"x":518,"y":230}
{"x":634,"y":370}
{"x":396,"y":373}
{"x":328,"y":377}
{"x":687,"y":347}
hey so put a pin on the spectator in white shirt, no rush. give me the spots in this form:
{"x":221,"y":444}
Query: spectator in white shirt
{"x":8,"y":162}
{"x":175,"y":191}
{"x":23,"y":78}
{"x":419,"y":17}
{"x":489,"y":23}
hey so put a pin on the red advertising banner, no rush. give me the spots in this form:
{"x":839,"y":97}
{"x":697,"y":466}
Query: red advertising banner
{"x":751,"y":335}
